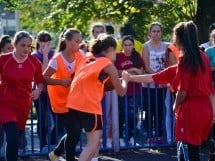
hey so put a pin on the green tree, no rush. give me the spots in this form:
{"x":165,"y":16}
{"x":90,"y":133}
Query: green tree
{"x":56,"y":15}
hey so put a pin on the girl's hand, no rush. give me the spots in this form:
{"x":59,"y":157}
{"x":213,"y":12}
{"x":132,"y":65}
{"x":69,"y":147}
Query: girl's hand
{"x":175,"y":108}
{"x":35,"y":93}
{"x":46,"y":48}
{"x":126,"y":76}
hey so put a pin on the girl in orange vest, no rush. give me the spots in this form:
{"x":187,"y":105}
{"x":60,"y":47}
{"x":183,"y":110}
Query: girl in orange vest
{"x":86,"y":92}
{"x":58,"y":76}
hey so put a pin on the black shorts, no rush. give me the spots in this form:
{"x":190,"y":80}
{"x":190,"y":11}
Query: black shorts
{"x":87,"y":121}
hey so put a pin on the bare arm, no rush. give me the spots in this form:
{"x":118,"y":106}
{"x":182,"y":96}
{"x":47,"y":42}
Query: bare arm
{"x":132,"y":70}
{"x":146,"y":78}
{"x":51,"y":81}
{"x":145,"y":56}
{"x":36,"y":93}
{"x":120,"y":86}
{"x":180,"y":97}
{"x":172,"y":59}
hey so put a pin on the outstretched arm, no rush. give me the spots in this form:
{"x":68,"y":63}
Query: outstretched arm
{"x":146,"y":78}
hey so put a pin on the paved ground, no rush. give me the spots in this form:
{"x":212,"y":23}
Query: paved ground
{"x":162,"y":154}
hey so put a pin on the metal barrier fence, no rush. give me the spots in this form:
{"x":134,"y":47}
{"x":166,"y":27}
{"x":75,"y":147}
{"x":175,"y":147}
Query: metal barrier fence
{"x":138,"y":121}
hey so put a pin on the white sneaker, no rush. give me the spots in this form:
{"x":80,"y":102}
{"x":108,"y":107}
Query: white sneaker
{"x":121,"y":142}
{"x":131,"y":142}
{"x":54,"y":157}
{"x":94,"y":159}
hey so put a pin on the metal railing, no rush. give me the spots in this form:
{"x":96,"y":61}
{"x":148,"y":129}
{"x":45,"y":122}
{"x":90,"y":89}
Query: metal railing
{"x":142,"y":120}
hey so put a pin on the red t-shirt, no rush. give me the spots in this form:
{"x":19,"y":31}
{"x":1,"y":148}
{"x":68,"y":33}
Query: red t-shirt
{"x":166,"y":76}
{"x":124,"y":62}
{"x":16,"y":86}
{"x":194,"y":117}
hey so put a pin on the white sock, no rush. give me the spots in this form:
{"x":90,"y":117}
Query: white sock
{"x":94,"y":159}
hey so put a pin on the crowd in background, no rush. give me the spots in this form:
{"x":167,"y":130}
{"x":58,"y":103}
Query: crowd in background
{"x":60,"y":64}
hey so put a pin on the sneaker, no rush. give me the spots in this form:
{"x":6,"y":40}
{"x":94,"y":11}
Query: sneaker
{"x":121,"y":142}
{"x":131,"y":142}
{"x":54,"y":157}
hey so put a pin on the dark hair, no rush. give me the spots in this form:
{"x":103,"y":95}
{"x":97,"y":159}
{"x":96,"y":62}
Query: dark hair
{"x":5,"y":39}
{"x":211,"y":27}
{"x":102,"y":43}
{"x":155,"y":24}
{"x":128,"y":30}
{"x":20,"y":35}
{"x":96,"y":25}
{"x":187,"y":38}
{"x":66,"y":35}
{"x":42,"y":36}
{"x":134,"y":54}
{"x":109,"y":29}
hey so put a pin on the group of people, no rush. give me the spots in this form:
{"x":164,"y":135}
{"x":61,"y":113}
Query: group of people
{"x":73,"y":82}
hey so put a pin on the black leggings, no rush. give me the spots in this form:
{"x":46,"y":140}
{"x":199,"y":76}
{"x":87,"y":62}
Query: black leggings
{"x":69,"y":141}
{"x":187,"y":152}
{"x":12,"y":140}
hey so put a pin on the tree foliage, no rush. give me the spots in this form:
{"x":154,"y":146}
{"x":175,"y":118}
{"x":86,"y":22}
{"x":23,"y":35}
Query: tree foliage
{"x":57,"y":15}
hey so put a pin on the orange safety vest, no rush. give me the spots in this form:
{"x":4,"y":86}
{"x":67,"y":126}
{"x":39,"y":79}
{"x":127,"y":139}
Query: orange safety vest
{"x":57,"y":93}
{"x":87,"y":90}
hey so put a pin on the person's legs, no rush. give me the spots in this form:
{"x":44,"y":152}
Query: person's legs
{"x":41,"y":109}
{"x":68,"y":142}
{"x":73,"y":129}
{"x":150,"y":112}
{"x":59,"y":150}
{"x":121,"y":116}
{"x":180,"y":153}
{"x":115,"y":120}
{"x":92,"y":124}
{"x":187,"y":152}
{"x":12,"y":141}
{"x":159,"y":112}
{"x":93,"y":142}
{"x":193,"y":152}
{"x":108,"y":119}
{"x":169,"y":116}
{"x":1,"y":137}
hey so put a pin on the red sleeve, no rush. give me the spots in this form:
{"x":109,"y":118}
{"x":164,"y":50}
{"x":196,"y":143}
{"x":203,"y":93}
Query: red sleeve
{"x":38,"y":76}
{"x":165,"y":76}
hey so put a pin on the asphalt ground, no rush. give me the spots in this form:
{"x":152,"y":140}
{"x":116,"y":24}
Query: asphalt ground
{"x":161,"y":154}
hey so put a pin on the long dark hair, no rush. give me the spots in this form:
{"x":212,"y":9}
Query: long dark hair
{"x":67,"y":34}
{"x":187,"y":38}
{"x":134,"y":55}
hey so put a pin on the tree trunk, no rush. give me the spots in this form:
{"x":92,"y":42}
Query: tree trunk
{"x":204,"y":17}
